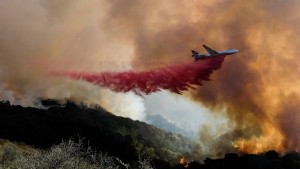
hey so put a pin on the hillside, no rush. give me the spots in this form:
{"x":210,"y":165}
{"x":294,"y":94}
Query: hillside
{"x":66,"y":155}
{"x":44,"y":138}
{"x":118,"y":136}
{"x":162,"y":123}
{"x":70,"y":154}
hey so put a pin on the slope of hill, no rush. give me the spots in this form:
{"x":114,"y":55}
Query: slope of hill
{"x":118,"y":136}
{"x":159,"y":121}
{"x":66,"y":155}
{"x":123,"y":139}
{"x":70,"y":154}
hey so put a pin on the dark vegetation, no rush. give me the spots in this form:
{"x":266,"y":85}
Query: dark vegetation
{"x":66,"y":155}
{"x":101,"y":130}
{"x":267,"y":160}
{"x":49,"y":132}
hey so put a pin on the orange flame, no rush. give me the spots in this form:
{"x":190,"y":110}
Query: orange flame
{"x":183,"y":163}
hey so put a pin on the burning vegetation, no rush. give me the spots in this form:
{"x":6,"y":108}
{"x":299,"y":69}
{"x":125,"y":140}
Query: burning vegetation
{"x":257,"y":91}
{"x":121,"y":142}
{"x":183,"y":163}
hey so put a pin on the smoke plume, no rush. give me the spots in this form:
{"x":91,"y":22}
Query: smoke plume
{"x":257,"y":89}
{"x":175,"y":78}
{"x":38,"y":36}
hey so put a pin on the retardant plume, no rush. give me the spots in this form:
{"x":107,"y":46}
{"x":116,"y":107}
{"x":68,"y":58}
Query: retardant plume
{"x":175,"y":78}
{"x":257,"y":90}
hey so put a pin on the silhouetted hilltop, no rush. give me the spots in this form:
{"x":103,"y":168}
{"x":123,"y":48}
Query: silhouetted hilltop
{"x":118,"y":136}
{"x":102,"y":130}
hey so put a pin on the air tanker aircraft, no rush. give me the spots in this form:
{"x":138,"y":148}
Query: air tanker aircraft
{"x":211,"y":53}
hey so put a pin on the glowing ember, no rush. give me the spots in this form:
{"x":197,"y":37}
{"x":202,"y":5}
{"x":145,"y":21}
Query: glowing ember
{"x":182,"y":162}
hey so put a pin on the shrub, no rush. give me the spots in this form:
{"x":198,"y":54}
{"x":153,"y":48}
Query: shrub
{"x":66,"y":155}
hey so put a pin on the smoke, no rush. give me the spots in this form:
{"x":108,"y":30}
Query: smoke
{"x":257,"y":88}
{"x":176,"y":78}
{"x":40,"y":35}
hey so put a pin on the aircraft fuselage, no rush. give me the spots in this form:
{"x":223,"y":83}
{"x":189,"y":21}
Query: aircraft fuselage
{"x":212,"y":53}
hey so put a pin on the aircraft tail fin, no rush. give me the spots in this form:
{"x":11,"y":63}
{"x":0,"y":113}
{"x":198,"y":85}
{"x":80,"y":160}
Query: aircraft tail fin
{"x":194,"y":53}
{"x":209,"y":50}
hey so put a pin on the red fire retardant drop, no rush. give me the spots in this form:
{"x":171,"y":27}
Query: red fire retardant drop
{"x":175,"y":78}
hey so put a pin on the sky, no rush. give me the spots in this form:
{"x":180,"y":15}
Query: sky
{"x":251,"y":103}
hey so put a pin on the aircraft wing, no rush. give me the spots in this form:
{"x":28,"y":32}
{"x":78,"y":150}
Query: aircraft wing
{"x":209,"y":50}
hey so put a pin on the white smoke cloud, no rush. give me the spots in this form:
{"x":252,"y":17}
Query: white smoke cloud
{"x":121,"y":104}
{"x":7,"y":95}
{"x":181,"y":110}
{"x":124,"y":104}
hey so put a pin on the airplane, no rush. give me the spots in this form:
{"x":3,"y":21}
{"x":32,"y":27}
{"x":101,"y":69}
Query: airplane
{"x":211,"y":53}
